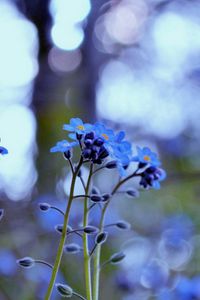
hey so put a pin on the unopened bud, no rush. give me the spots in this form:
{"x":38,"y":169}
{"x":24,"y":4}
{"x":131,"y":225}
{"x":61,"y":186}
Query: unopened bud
{"x":101,"y":238}
{"x":64,"y":290}
{"x":132,"y":193}
{"x":72,"y":248}
{"x":26,"y":262}
{"x":90,"y":229}
{"x":123,"y":225}
{"x":96,"y":198}
{"x":111,"y":164}
{"x":67,"y":154}
{"x":95,"y":190}
{"x":44,"y":206}
{"x":117,"y":257}
{"x":105,"y":197}
{"x":59,"y":228}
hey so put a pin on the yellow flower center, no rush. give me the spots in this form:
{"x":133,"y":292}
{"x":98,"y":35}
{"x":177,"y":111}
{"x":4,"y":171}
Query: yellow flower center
{"x":106,"y":137}
{"x":80,"y":127}
{"x":147,"y":158}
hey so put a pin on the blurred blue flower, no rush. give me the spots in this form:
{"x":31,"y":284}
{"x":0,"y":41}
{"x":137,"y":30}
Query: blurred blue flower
{"x":8,"y":264}
{"x":155,"y":275}
{"x":63,"y":146}
{"x":125,"y":282}
{"x":146,"y":156}
{"x":76,"y":126}
{"x":188,"y":289}
{"x":3,"y":150}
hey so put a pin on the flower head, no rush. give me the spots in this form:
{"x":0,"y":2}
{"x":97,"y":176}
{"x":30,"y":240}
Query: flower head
{"x":94,"y":148}
{"x":146,"y":156}
{"x":76,"y":126}
{"x":151,"y":177}
{"x":3,"y":150}
{"x":63,"y":146}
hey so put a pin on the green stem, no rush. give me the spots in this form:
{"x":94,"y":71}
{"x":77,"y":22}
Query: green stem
{"x":85,"y":241}
{"x":97,"y":255}
{"x":63,"y":236}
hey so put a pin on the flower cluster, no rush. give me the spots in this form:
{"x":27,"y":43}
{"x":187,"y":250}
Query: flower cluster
{"x":98,"y":143}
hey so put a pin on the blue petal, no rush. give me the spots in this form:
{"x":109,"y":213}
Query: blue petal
{"x":3,"y":150}
{"x":68,"y":127}
{"x":75,"y":122}
{"x":120,"y":136}
{"x":72,"y":136}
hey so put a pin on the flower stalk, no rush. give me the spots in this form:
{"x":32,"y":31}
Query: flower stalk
{"x":63,"y":236}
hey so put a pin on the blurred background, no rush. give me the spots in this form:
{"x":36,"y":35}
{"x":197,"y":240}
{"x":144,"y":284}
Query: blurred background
{"x":135,"y":65}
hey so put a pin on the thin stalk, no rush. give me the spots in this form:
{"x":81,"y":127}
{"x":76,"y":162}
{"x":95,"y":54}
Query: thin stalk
{"x":71,"y":165}
{"x":87,"y":268}
{"x":97,"y":255}
{"x":81,"y":196}
{"x":63,"y":236}
{"x":57,"y":209}
{"x":38,"y":261}
{"x":78,"y":295}
{"x":92,"y":251}
{"x":83,"y":183}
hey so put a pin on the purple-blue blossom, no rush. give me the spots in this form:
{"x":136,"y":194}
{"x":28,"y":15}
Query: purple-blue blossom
{"x":3,"y":150}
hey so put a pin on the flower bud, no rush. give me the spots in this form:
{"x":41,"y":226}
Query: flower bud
{"x":44,"y":206}
{"x":72,"y":248}
{"x":132,"y":193}
{"x":59,"y":228}
{"x":99,"y":142}
{"x":26,"y":262}
{"x":111,"y":164}
{"x":90,"y":229}
{"x":96,"y":198}
{"x":79,"y":136}
{"x":89,"y":136}
{"x":103,"y":153}
{"x":67,"y":154}
{"x":141,"y":165}
{"x":69,"y":228}
{"x":101,"y":237}
{"x":105,"y":197}
{"x":64,"y":290}
{"x":123,"y":225}
{"x":117,"y":257}
{"x":95,"y":190}
{"x":1,"y":213}
{"x":86,"y":153}
{"x":88,"y":142}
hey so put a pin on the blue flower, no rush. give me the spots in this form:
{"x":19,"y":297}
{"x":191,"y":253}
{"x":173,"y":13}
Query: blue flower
{"x":3,"y":150}
{"x":102,"y":132}
{"x":76,"y":126}
{"x":146,"y":156}
{"x":121,"y":152}
{"x":63,"y":146}
{"x":187,"y":288}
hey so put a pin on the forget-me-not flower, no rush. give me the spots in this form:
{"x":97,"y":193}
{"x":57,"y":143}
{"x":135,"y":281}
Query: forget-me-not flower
{"x":76,"y":126}
{"x":146,"y":156}
{"x":63,"y":146}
